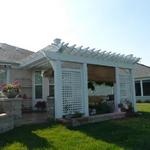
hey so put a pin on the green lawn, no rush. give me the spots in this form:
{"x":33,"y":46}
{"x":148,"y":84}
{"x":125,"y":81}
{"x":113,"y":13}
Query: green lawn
{"x":126,"y":134}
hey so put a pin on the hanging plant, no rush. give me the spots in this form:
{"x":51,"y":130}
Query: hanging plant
{"x":91,"y":85}
{"x":107,"y":83}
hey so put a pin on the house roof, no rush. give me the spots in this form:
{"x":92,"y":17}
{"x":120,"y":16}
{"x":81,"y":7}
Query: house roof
{"x":11,"y":54}
{"x":62,"y":51}
{"x":141,"y":71}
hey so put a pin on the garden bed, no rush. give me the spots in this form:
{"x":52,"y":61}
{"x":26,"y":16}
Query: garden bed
{"x":91,"y":119}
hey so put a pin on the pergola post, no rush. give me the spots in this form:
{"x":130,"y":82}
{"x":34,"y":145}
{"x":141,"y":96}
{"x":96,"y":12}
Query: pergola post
{"x":85,"y":90}
{"x":117,"y":89}
{"x":133,"y":90}
{"x":58,"y":88}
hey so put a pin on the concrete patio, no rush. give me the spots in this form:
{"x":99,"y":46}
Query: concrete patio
{"x":32,"y":118}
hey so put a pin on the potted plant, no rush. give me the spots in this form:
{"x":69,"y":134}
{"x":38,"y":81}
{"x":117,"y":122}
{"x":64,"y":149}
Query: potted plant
{"x":11,"y":90}
{"x":120,"y":107}
{"x":40,"y":105}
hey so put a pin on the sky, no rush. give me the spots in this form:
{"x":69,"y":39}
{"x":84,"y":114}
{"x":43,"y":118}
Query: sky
{"x":121,"y":26}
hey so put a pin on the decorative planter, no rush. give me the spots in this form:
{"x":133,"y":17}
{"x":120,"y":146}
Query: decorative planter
{"x":11,"y":94}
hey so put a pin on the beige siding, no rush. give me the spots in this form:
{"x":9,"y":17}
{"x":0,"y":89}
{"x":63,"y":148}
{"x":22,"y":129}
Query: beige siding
{"x":141,"y":71}
{"x":25,"y":77}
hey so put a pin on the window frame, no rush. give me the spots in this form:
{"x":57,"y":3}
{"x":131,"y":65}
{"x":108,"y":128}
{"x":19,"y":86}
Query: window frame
{"x":143,"y":86}
{"x":6,"y":78}
{"x":138,"y":81}
{"x":52,"y":85}
{"x":38,"y":84}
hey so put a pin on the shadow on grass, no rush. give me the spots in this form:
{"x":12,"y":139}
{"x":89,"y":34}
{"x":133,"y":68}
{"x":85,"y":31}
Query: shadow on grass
{"x":131,"y":133}
{"x":25,"y":135}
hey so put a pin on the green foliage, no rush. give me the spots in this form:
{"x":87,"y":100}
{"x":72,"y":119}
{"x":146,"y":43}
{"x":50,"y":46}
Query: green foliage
{"x":40,"y":105}
{"x":139,"y":101}
{"x":126,"y":106}
{"x":102,"y":108}
{"x":92,"y":83}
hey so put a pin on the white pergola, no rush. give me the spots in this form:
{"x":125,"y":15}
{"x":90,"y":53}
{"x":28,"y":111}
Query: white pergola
{"x":71,"y":74}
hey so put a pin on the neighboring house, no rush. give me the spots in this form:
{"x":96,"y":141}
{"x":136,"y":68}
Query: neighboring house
{"x":62,"y":72}
{"x":142,"y":82}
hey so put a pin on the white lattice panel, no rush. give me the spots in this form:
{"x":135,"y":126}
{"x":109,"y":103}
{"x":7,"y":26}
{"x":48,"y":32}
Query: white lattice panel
{"x":71,"y":91}
{"x":125,"y":85}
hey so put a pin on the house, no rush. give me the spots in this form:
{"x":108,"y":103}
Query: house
{"x":10,"y":59}
{"x":60,"y":73}
{"x":142,"y":82}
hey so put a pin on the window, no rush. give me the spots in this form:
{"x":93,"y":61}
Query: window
{"x":146,"y":87}
{"x":38,"y":85}
{"x":51,"y":87}
{"x":2,"y":76}
{"x":137,"y":88}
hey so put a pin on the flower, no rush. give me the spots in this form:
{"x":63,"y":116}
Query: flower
{"x":11,"y":89}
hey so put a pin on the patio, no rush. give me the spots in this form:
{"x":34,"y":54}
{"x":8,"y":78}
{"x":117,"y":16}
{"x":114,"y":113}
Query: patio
{"x":32,"y":118}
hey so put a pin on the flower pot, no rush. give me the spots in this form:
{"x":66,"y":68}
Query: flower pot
{"x":11,"y":93}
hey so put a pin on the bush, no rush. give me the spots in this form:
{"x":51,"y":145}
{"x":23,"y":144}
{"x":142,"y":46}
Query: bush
{"x":103,"y":108}
{"x":147,"y":101}
{"x":139,"y":101}
{"x":40,"y":105}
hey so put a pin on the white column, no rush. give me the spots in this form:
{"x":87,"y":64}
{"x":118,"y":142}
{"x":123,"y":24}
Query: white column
{"x":117,"y":89}
{"x":141,"y":85}
{"x":58,"y":88}
{"x":133,"y":90}
{"x":33,"y":89}
{"x":85,"y":90}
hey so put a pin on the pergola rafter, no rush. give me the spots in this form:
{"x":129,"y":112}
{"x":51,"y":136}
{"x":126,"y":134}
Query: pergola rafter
{"x":62,"y":50}
{"x":97,"y":54}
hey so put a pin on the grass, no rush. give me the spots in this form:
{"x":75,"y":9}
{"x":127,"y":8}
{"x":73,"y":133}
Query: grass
{"x":126,"y":134}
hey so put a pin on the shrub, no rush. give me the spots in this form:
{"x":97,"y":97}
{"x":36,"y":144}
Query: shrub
{"x":40,"y":105}
{"x":147,"y":101}
{"x":103,"y":108}
{"x":139,"y":101}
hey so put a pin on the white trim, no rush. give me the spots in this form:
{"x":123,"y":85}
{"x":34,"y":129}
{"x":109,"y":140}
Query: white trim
{"x":133,"y":89}
{"x":34,"y":99}
{"x":8,"y":75}
{"x":117,"y":89}
{"x":58,"y":89}
{"x":141,"y":85}
{"x":33,"y":89}
{"x":85,"y":90}
{"x":88,"y":60}
{"x":68,"y":69}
